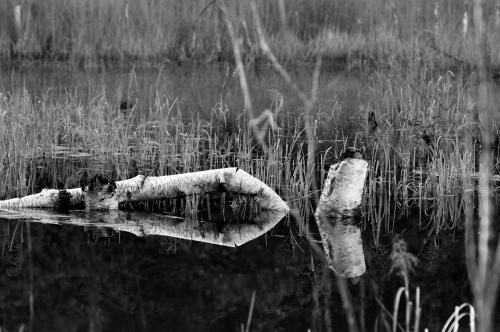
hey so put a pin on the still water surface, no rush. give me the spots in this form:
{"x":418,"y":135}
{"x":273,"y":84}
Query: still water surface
{"x":197,"y":88}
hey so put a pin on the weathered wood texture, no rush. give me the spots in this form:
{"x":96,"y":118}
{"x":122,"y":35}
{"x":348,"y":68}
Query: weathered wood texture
{"x":47,"y":198}
{"x":339,"y":203}
{"x":143,"y":188}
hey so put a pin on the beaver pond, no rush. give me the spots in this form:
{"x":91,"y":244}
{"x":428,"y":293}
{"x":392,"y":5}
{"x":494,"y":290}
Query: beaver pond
{"x":106,"y":272}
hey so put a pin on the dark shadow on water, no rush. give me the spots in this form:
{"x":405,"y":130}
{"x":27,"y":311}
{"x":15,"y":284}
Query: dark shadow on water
{"x":117,"y":281}
{"x":99,"y":274}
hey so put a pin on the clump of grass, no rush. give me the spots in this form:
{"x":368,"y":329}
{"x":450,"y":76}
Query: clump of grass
{"x":403,"y":264}
{"x":423,"y":148}
{"x":460,"y":314}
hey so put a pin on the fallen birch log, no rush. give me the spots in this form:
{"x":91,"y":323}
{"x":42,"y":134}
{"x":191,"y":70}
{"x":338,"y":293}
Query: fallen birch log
{"x":144,"y":188}
{"x":148,"y":224}
{"x":47,"y":198}
{"x":335,"y":216}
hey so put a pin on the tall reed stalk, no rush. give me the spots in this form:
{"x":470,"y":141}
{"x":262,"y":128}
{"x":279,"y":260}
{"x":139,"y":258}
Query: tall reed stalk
{"x":483,"y":258}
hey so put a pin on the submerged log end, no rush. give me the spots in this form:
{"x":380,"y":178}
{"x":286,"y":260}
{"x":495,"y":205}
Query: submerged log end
{"x":237,"y":180}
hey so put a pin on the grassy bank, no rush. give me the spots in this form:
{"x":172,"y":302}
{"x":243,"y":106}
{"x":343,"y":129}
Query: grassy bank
{"x":90,"y":32}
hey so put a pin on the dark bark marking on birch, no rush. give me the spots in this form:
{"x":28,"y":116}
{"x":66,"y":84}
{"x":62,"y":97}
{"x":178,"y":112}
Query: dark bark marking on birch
{"x":332,"y":186}
{"x":63,"y":200}
{"x":143,"y":181}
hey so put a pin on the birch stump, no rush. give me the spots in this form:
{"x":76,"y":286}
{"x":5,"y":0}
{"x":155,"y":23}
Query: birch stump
{"x":335,"y":216}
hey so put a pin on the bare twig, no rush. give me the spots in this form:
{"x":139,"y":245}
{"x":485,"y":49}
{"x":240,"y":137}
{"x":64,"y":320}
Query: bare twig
{"x":239,"y":63}
{"x":270,"y":55}
{"x":250,"y":312}
{"x":308,"y":101}
{"x":347,"y":304}
{"x":260,"y":133}
{"x":31,"y":294}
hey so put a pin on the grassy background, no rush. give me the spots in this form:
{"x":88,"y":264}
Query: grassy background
{"x":422,"y":153}
{"x":89,"y":31}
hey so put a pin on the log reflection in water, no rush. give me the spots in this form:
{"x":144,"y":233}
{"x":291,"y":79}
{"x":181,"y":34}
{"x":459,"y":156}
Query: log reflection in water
{"x":147,"y":224}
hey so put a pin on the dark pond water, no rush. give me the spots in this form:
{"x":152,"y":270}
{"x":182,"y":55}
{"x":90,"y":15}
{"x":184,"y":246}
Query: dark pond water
{"x":88,"y":278}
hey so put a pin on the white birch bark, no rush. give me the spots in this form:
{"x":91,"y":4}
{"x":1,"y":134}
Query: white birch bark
{"x":142,"y":188}
{"x":47,"y":198}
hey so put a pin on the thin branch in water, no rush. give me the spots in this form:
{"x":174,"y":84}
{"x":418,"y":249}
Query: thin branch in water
{"x":31,"y":295}
{"x":270,"y":55}
{"x":347,"y":304}
{"x":239,"y":62}
{"x":484,"y":259}
{"x":260,"y":134}
{"x":307,"y":101}
{"x":250,"y":312}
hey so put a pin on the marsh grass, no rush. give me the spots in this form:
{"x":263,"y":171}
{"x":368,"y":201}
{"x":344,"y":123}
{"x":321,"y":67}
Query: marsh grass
{"x":403,"y":264}
{"x":426,"y":145}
